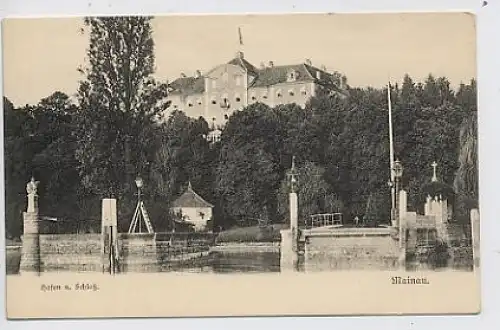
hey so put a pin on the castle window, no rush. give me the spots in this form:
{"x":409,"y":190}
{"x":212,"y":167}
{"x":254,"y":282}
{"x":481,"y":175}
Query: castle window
{"x":278,"y":93}
{"x":190,"y":104}
{"x":253,"y":97}
{"x":303,"y":91}
{"x":292,"y":75}
{"x":213,"y":100}
{"x":237,"y":98}
{"x":199,"y":101}
{"x":175,"y":106}
{"x":226,"y":117}
{"x":291,"y":92}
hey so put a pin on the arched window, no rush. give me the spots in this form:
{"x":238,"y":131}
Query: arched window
{"x":237,"y":98}
{"x":199,"y":101}
{"x":291,"y":92}
{"x":303,"y":91}
{"x":278,"y":93}
{"x":213,"y":100}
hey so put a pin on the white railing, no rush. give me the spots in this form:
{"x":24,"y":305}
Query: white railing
{"x":323,"y":220}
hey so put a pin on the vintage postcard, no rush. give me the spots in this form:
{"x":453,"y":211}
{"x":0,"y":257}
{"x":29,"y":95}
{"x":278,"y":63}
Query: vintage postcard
{"x":240,"y":165}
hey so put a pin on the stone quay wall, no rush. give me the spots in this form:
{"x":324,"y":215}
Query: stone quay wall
{"x":71,"y":252}
{"x":360,"y":249}
{"x":135,"y":252}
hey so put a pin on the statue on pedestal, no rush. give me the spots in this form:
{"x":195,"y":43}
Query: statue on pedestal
{"x":31,"y":189}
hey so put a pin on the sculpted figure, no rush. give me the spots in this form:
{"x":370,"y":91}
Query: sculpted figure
{"x":31,"y":187}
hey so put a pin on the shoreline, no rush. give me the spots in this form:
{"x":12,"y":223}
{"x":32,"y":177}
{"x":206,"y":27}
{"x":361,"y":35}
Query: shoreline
{"x":237,"y":247}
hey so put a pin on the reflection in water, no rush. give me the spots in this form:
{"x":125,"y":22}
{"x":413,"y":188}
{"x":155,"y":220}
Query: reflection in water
{"x":252,"y":262}
{"x":216,"y":262}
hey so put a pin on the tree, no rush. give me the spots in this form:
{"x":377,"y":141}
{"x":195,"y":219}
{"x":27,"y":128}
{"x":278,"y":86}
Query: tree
{"x":120,"y":103}
{"x":466,"y":178}
{"x":249,"y":170}
{"x":183,"y":155}
{"x":314,"y":193}
{"x":17,"y":156}
{"x":54,"y":162}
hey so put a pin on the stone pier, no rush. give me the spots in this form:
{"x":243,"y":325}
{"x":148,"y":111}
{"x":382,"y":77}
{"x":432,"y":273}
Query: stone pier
{"x":290,"y":238}
{"x":30,"y":250}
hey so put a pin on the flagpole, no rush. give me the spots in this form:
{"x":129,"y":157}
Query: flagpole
{"x":240,"y":39}
{"x":391,"y":155}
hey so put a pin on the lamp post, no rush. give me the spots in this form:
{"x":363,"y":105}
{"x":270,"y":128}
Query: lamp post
{"x":390,"y":184}
{"x":398,"y":173}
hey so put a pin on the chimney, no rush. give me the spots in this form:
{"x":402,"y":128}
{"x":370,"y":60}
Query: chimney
{"x":271,"y":64}
{"x":318,"y":74}
{"x":308,"y":62}
{"x":197,"y":74}
{"x":323,"y":67}
{"x":183,"y":75}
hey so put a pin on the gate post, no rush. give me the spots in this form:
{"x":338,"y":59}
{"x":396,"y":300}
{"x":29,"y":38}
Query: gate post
{"x":30,"y":250}
{"x":109,"y":233}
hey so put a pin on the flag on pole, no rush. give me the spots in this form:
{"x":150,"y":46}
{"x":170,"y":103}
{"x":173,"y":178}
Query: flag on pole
{"x":240,"y":36}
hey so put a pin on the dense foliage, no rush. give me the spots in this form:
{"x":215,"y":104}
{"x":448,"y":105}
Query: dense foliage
{"x":93,"y":149}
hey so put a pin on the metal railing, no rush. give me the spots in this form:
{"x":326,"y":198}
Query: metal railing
{"x":323,"y":220}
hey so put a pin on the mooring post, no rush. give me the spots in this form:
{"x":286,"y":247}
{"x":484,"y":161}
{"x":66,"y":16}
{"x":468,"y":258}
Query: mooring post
{"x":30,"y":250}
{"x":290,"y":237}
{"x":109,"y":233}
{"x":402,"y":220}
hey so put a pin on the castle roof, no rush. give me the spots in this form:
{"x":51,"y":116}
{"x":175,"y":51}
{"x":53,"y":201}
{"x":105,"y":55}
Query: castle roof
{"x":190,"y":199}
{"x":188,"y":85}
{"x":241,"y":62}
{"x":264,"y":77}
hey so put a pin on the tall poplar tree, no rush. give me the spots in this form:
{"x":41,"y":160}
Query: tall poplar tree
{"x":120,"y":103}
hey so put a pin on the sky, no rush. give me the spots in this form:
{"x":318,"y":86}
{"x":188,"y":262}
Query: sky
{"x":41,"y":55}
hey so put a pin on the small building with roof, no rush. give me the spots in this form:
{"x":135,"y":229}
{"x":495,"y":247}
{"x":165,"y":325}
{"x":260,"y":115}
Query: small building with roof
{"x":193,"y":209}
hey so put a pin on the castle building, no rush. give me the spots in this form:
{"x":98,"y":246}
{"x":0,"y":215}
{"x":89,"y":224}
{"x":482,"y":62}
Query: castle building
{"x":231,"y":86}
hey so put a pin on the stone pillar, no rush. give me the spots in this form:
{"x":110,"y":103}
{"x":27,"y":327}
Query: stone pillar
{"x":402,"y":222}
{"x":475,"y":233}
{"x":428,"y":206}
{"x":403,"y":204}
{"x":30,"y":250}
{"x":288,"y":255}
{"x":294,"y":218}
{"x":289,"y":238}
{"x":441,"y":216}
{"x":109,"y":233}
